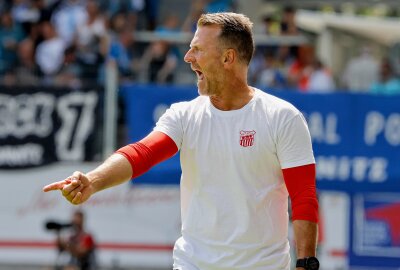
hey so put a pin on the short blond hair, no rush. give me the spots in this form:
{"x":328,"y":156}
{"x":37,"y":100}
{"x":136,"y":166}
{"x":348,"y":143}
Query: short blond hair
{"x":236,"y":31}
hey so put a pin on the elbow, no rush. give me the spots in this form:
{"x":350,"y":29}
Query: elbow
{"x":305,"y":208}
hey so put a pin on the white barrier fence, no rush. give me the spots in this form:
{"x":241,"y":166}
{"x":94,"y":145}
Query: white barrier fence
{"x":133,"y":226}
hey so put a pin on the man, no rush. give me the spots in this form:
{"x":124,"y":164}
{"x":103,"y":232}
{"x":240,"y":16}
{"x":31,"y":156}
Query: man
{"x":238,"y":148}
{"x":79,"y":245}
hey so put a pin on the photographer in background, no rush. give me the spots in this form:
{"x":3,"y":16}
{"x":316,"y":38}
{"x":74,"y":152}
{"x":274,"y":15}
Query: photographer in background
{"x":79,"y":245}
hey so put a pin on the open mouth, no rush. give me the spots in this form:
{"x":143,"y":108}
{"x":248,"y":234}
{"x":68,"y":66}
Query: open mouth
{"x":200,"y":75}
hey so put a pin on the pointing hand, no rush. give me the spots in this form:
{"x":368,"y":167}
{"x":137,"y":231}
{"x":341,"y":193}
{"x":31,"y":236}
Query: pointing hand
{"x":76,"y":188}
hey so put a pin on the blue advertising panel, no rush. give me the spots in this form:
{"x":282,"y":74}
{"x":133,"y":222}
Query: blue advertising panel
{"x":356,"y":138}
{"x":375,"y":237}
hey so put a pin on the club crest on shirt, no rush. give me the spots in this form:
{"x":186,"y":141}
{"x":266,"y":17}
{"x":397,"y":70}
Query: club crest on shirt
{"x":247,"y":138}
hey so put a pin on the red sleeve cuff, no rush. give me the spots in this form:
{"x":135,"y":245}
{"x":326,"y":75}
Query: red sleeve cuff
{"x":151,"y":150}
{"x":300,"y":182}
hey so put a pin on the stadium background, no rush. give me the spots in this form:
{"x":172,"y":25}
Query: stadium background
{"x":81,"y":78}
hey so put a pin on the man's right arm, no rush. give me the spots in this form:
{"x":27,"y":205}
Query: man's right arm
{"x":114,"y":171}
{"x":127,"y":163}
{"x":79,"y":186}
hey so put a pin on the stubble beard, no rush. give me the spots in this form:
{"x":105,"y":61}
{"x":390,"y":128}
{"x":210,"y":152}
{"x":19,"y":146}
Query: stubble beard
{"x":207,"y":87}
{"x":202,"y":88}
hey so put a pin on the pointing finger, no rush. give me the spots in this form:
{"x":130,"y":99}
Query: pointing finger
{"x":56,"y":185}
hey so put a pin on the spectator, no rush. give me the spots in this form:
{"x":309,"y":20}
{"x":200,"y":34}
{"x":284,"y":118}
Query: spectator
{"x":300,"y":70}
{"x":160,"y":62}
{"x":275,"y":61}
{"x":70,"y":73}
{"x":92,"y":42}
{"x":170,"y":25}
{"x":131,"y":10}
{"x":285,"y":59}
{"x":46,"y":8}
{"x":34,"y":35}
{"x":288,"y":24}
{"x":361,"y":71}
{"x":388,"y":83}
{"x":269,"y":26}
{"x":190,"y":23}
{"x":121,"y":50}
{"x":10,"y":34}
{"x":160,"y":58}
{"x":25,"y":13}
{"x":118,"y":23}
{"x":140,"y":14}
{"x":94,"y":28}
{"x":50,"y":52}
{"x":117,"y":6}
{"x":288,"y":27}
{"x":270,"y":77}
{"x":26,"y":71}
{"x":151,"y":14}
{"x":30,"y":13}
{"x":205,"y":6}
{"x":255,"y":66}
{"x":321,"y":80}
{"x":79,"y":245}
{"x":68,"y":19}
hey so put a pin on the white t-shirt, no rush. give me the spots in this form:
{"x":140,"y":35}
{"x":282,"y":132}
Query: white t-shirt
{"x":233,"y":198}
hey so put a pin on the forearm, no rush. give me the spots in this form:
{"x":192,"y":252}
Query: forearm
{"x":114,"y":171}
{"x":305,"y":233}
{"x":127,"y":163}
{"x":300,"y":182}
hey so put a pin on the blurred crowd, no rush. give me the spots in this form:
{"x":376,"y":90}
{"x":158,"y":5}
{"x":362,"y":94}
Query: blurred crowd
{"x":298,"y":68}
{"x":69,"y":42}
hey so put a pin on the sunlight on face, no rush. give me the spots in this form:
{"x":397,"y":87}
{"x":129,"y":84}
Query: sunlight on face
{"x":204,"y":57}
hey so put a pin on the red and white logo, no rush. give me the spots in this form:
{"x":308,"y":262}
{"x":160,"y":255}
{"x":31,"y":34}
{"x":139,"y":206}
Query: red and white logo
{"x":247,"y":138}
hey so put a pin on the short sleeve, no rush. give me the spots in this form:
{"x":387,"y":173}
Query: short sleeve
{"x":294,"y":147}
{"x":170,"y":124}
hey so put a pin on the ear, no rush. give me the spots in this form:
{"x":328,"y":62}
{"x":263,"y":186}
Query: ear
{"x":229,"y":57}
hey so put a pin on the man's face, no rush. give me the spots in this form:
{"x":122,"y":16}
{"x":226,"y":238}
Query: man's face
{"x":205,"y":58}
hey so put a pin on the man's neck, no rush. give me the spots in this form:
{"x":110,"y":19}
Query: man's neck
{"x":234,"y":99}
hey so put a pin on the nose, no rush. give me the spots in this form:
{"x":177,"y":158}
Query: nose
{"x":188,"y":56}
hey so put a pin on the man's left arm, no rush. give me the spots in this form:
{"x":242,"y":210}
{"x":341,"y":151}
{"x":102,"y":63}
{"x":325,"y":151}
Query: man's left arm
{"x":300,"y":182}
{"x":305,"y":233}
